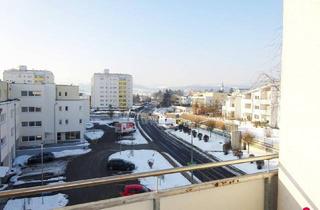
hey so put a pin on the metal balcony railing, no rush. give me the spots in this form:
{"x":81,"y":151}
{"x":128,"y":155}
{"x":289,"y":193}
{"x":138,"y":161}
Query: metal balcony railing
{"x":120,"y":178}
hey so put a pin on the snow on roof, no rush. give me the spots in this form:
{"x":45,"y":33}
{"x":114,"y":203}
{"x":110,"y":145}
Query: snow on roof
{"x":3,"y":171}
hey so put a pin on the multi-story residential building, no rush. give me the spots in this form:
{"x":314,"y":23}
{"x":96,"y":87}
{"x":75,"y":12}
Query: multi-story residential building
{"x":208,"y":98}
{"x":111,"y":90}
{"x":184,"y":100}
{"x":49,"y":113}
{"x":232,"y":106}
{"x":9,"y":124}
{"x":23,"y":75}
{"x":71,"y":113}
{"x":260,"y":104}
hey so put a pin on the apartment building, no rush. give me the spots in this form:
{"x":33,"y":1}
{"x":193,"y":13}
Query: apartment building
{"x":71,"y":113}
{"x":232,"y":106}
{"x":23,"y":75}
{"x":260,"y":104}
{"x":208,"y":98}
{"x":41,"y":112}
{"x":9,"y":122}
{"x":111,"y":90}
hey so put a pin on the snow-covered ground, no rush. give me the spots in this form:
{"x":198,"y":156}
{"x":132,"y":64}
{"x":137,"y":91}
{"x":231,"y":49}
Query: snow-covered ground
{"x":89,"y":125}
{"x":141,"y":157}
{"x":267,"y":135}
{"x":55,"y":170}
{"x":214,"y":147}
{"x":71,"y":152}
{"x":94,"y":134}
{"x":134,"y":139}
{"x":35,"y":203}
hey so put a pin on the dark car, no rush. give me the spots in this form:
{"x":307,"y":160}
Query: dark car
{"x":120,"y":165}
{"x":132,"y":189}
{"x":47,"y":157}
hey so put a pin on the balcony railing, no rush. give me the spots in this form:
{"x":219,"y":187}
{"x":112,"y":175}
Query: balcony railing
{"x":120,"y":178}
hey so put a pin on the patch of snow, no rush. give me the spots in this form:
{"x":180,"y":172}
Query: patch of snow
{"x":3,"y":171}
{"x":214,"y":147}
{"x":71,"y":152}
{"x":21,"y":160}
{"x":94,"y":134}
{"x":137,"y":139}
{"x":141,"y":157}
{"x":59,"y":178}
{"x":89,"y":125}
{"x":35,"y":203}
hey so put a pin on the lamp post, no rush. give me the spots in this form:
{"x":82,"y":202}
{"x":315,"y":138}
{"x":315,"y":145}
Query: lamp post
{"x":42,"y":170}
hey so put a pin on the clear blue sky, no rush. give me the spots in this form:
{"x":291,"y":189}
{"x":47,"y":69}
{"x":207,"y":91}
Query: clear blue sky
{"x":161,"y":42}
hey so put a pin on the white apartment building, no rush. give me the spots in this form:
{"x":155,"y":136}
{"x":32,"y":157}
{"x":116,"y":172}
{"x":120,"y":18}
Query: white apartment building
{"x":257,"y":105}
{"x":111,"y":90}
{"x":71,"y":114}
{"x":48,"y":113}
{"x":232,"y":106}
{"x":23,"y":75}
{"x":9,"y":122}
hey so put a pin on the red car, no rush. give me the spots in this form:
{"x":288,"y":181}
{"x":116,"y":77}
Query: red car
{"x":132,"y":189}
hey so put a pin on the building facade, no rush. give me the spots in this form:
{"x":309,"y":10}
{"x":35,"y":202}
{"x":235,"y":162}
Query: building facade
{"x":43,"y":108}
{"x":9,"y":124}
{"x":71,"y":114}
{"x":260,"y":104}
{"x":111,"y":91}
{"x":23,"y":75}
{"x":232,"y":106}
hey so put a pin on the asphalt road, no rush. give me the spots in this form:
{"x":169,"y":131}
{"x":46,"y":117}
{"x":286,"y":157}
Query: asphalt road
{"x":182,"y":153}
{"x":93,"y":165}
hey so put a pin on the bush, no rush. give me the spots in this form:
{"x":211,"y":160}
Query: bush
{"x":194,"y":133}
{"x":200,"y":136}
{"x":238,"y":153}
{"x":251,"y":155}
{"x":226,"y":147}
{"x":260,"y":164}
{"x":206,"y":138}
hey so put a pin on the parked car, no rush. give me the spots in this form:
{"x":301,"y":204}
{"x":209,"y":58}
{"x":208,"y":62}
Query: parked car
{"x":47,"y":157}
{"x":132,"y":189}
{"x":120,"y":165}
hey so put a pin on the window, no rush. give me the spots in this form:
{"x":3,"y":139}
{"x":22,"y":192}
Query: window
{"x":72,"y":135}
{"x":60,"y":122}
{"x":12,"y":131}
{"x":256,"y":116}
{"x":66,"y":108}
{"x":38,"y":123}
{"x":24,"y":109}
{"x":3,"y":140}
{"x":60,"y":108}
{"x":38,"y":109}
{"x":59,"y":93}
{"x":34,"y":93}
{"x":256,"y":97}
{"x":38,"y":138}
{"x":32,"y":138}
{"x":256,"y":107}
{"x":24,"y":93}
{"x":80,"y":107}
{"x":59,"y":136}
{"x":24,"y":124}
{"x":67,"y":122}
{"x":65,"y":93}
{"x":80,"y":121}
{"x":31,"y":109}
{"x":25,"y":138}
{"x":32,"y":123}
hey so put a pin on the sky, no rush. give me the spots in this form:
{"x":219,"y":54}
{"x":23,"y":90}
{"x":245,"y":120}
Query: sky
{"x":161,"y":43}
